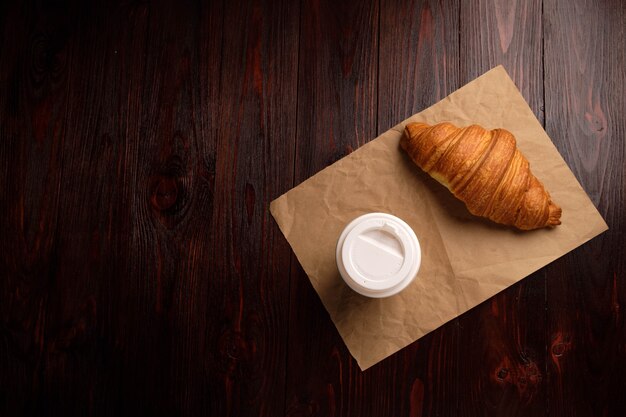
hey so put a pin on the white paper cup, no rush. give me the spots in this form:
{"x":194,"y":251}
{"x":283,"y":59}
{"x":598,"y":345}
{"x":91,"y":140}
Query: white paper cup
{"x":378,"y":255}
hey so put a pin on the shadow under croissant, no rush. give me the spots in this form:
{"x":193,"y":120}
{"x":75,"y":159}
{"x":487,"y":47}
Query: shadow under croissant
{"x":448,"y":203}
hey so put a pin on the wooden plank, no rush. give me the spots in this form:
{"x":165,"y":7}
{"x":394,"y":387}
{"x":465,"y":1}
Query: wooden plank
{"x":64,"y":200}
{"x":27,"y":233}
{"x":336,"y":114}
{"x":503,"y":360}
{"x":584,"y":69}
{"x":494,"y":32}
{"x":94,"y":103}
{"x":419,"y":58}
{"x":249,"y":285}
{"x":165,"y":363}
{"x":94,"y":211}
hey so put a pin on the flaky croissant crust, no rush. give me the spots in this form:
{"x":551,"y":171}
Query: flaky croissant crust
{"x":484,"y":169}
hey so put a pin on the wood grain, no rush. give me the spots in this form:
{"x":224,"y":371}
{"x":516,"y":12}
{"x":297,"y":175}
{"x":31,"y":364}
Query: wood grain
{"x":419,"y":57}
{"x":585,"y":81}
{"x":509,"y":378}
{"x":124,"y":298}
{"x":57,"y":221}
{"x":508,"y":33}
{"x":249,"y":289}
{"x":337,"y":84}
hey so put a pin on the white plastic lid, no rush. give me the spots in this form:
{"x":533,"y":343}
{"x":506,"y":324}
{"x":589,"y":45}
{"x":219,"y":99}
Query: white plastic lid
{"x":378,"y":255}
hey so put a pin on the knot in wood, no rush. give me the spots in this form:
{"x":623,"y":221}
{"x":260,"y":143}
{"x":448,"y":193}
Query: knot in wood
{"x":558,"y":349}
{"x":232,"y":345}
{"x":165,"y":194}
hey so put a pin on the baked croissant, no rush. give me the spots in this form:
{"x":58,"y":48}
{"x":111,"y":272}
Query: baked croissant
{"x":484,"y":169}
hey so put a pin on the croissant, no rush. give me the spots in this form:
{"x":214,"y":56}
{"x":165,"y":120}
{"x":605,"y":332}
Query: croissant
{"x":484,"y":169}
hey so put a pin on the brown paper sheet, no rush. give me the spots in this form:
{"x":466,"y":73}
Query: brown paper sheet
{"x":465,"y":259}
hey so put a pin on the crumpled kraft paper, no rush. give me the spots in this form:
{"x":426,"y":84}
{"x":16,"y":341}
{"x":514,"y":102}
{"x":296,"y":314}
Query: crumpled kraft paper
{"x":465,"y":259}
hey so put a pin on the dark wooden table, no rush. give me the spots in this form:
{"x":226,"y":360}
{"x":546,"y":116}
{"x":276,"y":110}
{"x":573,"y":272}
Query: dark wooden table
{"x":141,"y":273}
